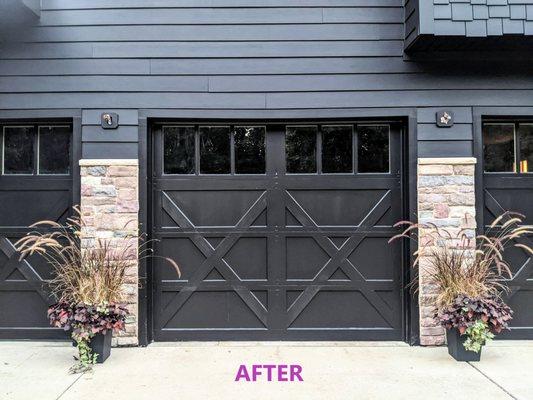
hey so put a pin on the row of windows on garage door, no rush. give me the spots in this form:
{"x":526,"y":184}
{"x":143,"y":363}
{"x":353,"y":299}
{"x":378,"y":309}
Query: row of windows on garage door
{"x":281,"y":231}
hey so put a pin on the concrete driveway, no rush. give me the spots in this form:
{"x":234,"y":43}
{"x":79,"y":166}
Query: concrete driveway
{"x":33,"y":370}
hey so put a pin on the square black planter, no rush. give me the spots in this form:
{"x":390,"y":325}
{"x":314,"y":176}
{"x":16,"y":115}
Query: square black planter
{"x":457,"y":349}
{"x":101,"y":345}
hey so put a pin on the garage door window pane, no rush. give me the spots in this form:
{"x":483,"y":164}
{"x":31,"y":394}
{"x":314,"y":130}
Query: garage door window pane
{"x":337,"y":149}
{"x":178,"y":151}
{"x":249,"y":149}
{"x":300,"y":148}
{"x":499,"y":147}
{"x":215,"y":154}
{"x":526,"y":147}
{"x":373,"y":148}
{"x":54,"y":150}
{"x":18,"y":150}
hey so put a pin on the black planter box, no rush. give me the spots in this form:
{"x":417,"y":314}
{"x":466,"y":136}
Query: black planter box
{"x":457,"y":349}
{"x":101,"y":345}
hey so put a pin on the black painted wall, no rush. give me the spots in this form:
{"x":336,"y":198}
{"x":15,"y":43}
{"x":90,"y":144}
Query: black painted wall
{"x":245,"y":59}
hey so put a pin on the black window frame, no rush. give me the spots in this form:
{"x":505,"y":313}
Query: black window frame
{"x":197,"y":160}
{"x":355,"y":149}
{"x":36,"y":137}
{"x":196,"y":148}
{"x":516,"y":148}
{"x":320,"y":154}
{"x":233,"y":152}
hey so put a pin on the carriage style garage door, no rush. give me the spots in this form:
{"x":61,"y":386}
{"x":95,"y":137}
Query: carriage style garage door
{"x":508,"y":186}
{"x":35,"y":184}
{"x":280,"y":231}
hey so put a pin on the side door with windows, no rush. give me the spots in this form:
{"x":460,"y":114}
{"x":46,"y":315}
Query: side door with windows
{"x":508,"y":186}
{"x":35,"y":184}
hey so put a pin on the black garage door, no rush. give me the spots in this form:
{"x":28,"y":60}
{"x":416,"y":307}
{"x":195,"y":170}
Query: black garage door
{"x":508,"y":186}
{"x":280,"y":231}
{"x":35,"y":184}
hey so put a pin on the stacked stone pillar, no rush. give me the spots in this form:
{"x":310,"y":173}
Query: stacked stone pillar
{"x":110,"y":209}
{"x":446,"y":198}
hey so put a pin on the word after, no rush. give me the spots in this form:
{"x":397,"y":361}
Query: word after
{"x":269,"y":373}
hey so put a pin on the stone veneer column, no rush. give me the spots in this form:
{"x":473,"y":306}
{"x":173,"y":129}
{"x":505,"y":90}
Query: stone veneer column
{"x":446,"y":198}
{"x":110,"y":208}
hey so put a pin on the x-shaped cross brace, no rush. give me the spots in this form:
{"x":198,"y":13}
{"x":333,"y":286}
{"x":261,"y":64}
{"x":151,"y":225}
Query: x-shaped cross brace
{"x":214,"y":259}
{"x":520,"y":278}
{"x":339,"y":258}
{"x":33,"y":279}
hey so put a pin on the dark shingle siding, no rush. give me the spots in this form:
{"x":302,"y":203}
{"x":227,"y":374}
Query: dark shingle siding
{"x":500,"y":17}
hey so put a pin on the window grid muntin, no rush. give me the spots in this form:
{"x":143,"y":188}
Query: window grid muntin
{"x":518,"y":148}
{"x":354,"y":149}
{"x":233,"y":131}
{"x":389,"y":153}
{"x":196,"y":149}
{"x":38,"y":161}
{"x":4,"y":149}
{"x":317,"y":150}
{"x":199,"y":172}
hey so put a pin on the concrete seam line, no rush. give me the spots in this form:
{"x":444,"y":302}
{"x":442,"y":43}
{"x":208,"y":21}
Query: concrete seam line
{"x":493,"y":381}
{"x":69,"y":386}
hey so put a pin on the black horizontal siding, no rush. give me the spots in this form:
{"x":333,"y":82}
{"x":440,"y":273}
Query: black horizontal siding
{"x":204,"y":49}
{"x":110,"y":143}
{"x":242,"y":59}
{"x":106,"y":4}
{"x":253,"y":83}
{"x":456,"y":140}
{"x":241,"y":15}
{"x":216,"y":33}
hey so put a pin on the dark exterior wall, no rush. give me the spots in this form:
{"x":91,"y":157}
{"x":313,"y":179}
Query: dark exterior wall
{"x":241,"y":58}
{"x":105,"y":144}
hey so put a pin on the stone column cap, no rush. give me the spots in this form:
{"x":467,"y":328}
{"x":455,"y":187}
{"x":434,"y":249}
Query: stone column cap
{"x":95,"y":162}
{"x":448,"y":161}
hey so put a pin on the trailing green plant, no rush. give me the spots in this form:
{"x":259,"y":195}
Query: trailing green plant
{"x":86,"y":357}
{"x":89,"y":276}
{"x":478,"y":335}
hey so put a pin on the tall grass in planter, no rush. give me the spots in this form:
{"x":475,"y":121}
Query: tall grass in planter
{"x":88,"y":282}
{"x":469,"y":274}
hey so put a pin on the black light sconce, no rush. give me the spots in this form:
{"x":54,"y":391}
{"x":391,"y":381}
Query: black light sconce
{"x":109,"y":120}
{"x":445,"y":119}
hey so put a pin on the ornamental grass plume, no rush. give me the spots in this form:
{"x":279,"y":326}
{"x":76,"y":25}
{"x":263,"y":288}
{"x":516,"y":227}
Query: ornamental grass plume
{"x":466,"y":265}
{"x":94,"y":274}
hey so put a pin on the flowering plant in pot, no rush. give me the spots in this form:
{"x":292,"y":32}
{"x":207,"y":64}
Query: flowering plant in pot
{"x":469,"y":274}
{"x":89,"y":277}
{"x":472,"y":321}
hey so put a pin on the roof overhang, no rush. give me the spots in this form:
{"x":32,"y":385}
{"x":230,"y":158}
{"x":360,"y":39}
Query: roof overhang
{"x":468,"y":25}
{"x":18,"y":14}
